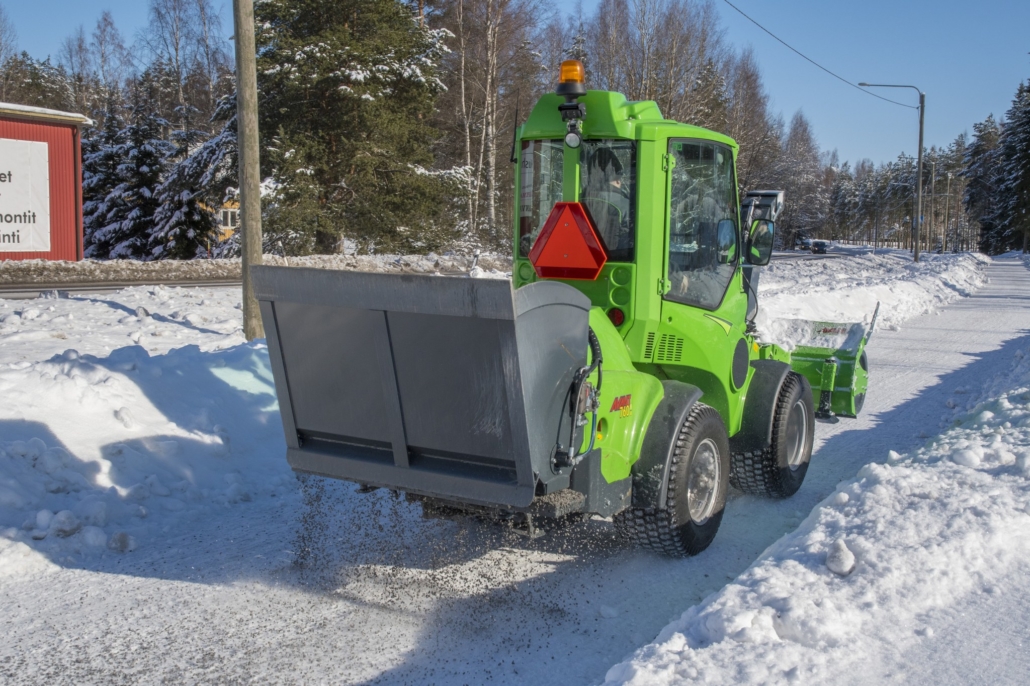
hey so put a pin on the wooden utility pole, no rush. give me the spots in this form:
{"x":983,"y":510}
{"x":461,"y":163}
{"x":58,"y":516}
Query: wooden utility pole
{"x":249,"y":158}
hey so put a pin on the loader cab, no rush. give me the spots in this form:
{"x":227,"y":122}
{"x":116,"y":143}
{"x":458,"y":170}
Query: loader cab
{"x":664,"y":250}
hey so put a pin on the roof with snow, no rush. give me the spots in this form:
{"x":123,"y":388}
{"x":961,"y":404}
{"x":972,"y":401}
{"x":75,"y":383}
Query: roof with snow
{"x":43,"y":114}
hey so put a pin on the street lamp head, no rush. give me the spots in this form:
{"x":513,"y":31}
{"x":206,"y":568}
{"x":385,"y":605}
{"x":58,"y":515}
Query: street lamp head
{"x":863,"y":84}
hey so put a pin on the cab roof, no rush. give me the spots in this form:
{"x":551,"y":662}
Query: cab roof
{"x":611,"y":115}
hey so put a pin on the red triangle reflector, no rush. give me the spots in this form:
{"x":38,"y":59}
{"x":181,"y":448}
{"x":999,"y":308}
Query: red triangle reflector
{"x":568,"y":246}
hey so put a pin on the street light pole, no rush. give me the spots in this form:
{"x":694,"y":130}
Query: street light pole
{"x":916,"y":220}
{"x":931,"y":230}
{"x":947,"y":217}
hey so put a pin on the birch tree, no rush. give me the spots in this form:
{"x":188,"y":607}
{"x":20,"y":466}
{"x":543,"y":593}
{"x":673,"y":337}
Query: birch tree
{"x":8,"y":37}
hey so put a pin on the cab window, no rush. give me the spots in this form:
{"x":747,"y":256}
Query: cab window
{"x":608,"y":180}
{"x":540,"y":186}
{"x":703,"y":250}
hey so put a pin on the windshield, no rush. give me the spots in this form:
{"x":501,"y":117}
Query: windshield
{"x":608,"y":179}
{"x":540,"y":187}
{"x":702,"y":258}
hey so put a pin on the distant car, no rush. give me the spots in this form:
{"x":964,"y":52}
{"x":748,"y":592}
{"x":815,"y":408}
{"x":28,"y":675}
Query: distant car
{"x":806,"y":243}
{"x":820,"y":247}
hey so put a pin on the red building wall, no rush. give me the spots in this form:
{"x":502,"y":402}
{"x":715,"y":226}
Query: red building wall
{"x":65,"y":185}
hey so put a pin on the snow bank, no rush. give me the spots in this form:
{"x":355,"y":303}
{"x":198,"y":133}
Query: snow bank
{"x":121,"y":271}
{"x":132,"y":444}
{"x":157,"y":318}
{"x":841,"y":289}
{"x":866,"y":571}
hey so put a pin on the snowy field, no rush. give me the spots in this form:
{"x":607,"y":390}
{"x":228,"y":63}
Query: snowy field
{"x":151,"y":531}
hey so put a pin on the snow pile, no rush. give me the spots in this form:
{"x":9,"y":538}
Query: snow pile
{"x":836,"y":290}
{"x":122,"y":271}
{"x":157,"y":318}
{"x":868,"y":569}
{"x":131,"y":445}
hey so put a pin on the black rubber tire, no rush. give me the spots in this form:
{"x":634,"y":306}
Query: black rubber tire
{"x":768,"y":472}
{"x":671,"y":531}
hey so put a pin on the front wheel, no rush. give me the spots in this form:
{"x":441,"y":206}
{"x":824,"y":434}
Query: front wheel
{"x":696,"y":494}
{"x":863,"y":362}
{"x":779,"y":470}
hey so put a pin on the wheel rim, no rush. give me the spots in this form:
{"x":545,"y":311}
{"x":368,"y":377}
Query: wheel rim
{"x":703,"y":481}
{"x":797,"y":432}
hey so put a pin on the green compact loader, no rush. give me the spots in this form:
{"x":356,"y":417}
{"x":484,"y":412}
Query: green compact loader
{"x":618,"y":373}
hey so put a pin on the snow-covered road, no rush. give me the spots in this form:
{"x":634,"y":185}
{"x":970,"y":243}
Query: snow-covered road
{"x":941,"y":533}
{"x":323,"y":584}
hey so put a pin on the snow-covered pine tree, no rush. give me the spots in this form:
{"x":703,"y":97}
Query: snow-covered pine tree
{"x":38,"y":83}
{"x":842,"y":204}
{"x":219,"y":158}
{"x":982,"y":171}
{"x":799,"y":173}
{"x":870,"y":192}
{"x":99,"y":178}
{"x":1014,"y":144}
{"x":578,"y":49}
{"x":184,"y":225}
{"x":709,"y":98}
{"x":132,"y":204}
{"x":348,"y":89}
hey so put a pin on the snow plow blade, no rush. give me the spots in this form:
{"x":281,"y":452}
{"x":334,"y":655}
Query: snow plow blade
{"x":444,"y":387}
{"x":833,"y":360}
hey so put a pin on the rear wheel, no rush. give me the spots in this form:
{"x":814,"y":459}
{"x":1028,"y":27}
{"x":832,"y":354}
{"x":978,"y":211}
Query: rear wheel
{"x":779,"y":470}
{"x":696,"y":495}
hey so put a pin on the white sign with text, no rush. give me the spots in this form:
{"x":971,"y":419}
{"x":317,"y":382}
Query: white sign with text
{"x":24,"y":196}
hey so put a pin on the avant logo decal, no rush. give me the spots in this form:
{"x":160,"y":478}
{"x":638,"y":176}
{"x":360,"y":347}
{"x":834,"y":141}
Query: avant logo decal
{"x":624,"y":404}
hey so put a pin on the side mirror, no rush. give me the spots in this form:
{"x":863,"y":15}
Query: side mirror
{"x":760,"y":243}
{"x":726,"y":238}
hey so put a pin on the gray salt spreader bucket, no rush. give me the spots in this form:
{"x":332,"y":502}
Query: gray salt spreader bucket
{"x":446,"y":387}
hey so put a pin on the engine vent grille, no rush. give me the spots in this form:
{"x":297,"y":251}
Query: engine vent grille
{"x":670,"y":349}
{"x":649,"y":346}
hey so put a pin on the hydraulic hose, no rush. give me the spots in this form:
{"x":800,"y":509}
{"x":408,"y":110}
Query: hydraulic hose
{"x":595,"y":352}
{"x":571,"y":458}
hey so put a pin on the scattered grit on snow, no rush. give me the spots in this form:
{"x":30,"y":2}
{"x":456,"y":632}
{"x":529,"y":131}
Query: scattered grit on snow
{"x":836,"y":290}
{"x":868,"y":569}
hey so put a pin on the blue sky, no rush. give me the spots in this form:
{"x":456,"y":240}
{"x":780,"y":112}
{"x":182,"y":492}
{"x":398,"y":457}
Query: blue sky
{"x":968,"y":57}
